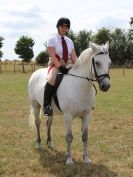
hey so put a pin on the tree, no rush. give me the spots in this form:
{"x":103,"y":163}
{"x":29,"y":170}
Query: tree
{"x":42,"y":57}
{"x":83,"y":39}
{"x":1,"y":54}
{"x":24,"y":48}
{"x":1,"y":44}
{"x":118,"y":46}
{"x":73,"y":37}
{"x":131,"y":29}
{"x":80,"y":40}
{"x":130,"y":41}
{"x":102,"y":36}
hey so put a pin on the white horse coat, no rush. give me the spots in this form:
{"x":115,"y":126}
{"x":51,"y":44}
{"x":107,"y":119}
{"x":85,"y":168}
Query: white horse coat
{"x":75,"y":94}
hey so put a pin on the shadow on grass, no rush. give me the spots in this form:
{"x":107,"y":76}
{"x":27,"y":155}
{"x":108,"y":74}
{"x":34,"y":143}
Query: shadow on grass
{"x":54,"y":163}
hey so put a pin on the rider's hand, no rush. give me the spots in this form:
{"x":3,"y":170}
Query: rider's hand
{"x":63,"y":69}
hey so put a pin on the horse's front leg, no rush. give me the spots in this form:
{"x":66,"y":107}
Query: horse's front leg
{"x":48,"y":131}
{"x":69,"y":137}
{"x":85,"y":123}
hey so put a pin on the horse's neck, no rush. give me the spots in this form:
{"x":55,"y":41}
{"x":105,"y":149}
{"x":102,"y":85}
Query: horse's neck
{"x":83,"y":70}
{"x":80,"y":76}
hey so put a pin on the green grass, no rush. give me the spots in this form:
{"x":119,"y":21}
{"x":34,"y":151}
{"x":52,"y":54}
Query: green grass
{"x":110,"y":133}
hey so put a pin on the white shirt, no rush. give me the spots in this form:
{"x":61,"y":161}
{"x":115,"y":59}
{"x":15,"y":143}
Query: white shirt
{"x":56,"y":42}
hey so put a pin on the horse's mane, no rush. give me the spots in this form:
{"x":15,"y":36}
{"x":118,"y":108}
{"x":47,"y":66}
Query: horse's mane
{"x":84,"y":57}
{"x":87,"y":54}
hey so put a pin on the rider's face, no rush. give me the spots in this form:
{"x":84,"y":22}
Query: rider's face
{"x":63,"y":29}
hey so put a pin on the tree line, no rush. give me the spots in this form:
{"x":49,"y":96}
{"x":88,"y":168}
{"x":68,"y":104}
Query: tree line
{"x":121,"y":44}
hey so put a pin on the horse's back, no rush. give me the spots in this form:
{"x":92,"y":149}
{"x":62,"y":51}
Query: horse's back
{"x":38,"y":75}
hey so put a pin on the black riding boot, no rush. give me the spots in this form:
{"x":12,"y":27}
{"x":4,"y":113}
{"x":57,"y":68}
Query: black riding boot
{"x":48,"y":93}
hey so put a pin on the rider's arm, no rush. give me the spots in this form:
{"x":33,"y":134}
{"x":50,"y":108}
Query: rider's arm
{"x":52,"y":54}
{"x":73,"y":55}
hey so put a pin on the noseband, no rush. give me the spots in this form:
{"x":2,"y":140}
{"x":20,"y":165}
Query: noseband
{"x":100,"y":77}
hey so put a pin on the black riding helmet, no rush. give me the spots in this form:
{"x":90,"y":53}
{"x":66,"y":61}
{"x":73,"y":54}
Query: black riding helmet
{"x":63,"y":21}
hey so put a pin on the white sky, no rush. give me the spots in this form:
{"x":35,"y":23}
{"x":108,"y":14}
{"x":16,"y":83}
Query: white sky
{"x":37,"y":19}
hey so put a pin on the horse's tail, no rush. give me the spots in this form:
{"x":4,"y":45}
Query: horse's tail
{"x":31,"y":118}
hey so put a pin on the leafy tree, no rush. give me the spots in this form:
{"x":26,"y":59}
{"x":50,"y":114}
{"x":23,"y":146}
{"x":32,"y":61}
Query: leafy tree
{"x":131,"y":20}
{"x":130,"y":41}
{"x":83,"y":38}
{"x":1,"y":44}
{"x":1,"y":54}
{"x":42,"y":57}
{"x":118,"y":46}
{"x":24,"y":48}
{"x":131,"y":29}
{"x":80,"y":40}
{"x":129,"y":50}
{"x":102,"y":36}
{"x":73,"y":37}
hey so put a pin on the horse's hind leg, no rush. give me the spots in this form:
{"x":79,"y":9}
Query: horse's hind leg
{"x":85,"y":122}
{"x":48,"y":131}
{"x":36,"y":112}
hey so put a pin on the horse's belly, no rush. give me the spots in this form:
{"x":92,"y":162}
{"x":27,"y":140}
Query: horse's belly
{"x":78,"y":107}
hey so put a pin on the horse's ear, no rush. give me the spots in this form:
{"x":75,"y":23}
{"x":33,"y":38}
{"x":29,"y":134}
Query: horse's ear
{"x":93,"y":46}
{"x":106,"y":46}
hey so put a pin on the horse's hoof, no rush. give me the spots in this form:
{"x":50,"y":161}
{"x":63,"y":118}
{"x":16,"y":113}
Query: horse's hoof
{"x":39,"y":146}
{"x":50,"y":145}
{"x":69,"y":161}
{"x":87,"y":160}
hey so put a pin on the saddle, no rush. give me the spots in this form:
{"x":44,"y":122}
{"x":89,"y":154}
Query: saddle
{"x":58,"y":80}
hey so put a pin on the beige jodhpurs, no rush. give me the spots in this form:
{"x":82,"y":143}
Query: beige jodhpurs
{"x":54,"y":71}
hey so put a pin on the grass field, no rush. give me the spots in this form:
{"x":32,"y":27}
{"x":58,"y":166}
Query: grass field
{"x":110,"y":133}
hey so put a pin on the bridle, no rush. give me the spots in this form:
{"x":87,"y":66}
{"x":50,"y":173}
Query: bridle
{"x":99,"y":78}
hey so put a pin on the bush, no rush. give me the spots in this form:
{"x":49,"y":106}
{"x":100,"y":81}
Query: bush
{"x":42,"y":58}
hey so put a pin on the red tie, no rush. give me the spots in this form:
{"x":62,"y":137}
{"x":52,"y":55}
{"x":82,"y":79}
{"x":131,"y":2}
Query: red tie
{"x":65,"y":50}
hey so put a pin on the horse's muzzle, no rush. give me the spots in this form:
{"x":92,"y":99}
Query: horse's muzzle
{"x":104,"y":87}
{"x":104,"y":84}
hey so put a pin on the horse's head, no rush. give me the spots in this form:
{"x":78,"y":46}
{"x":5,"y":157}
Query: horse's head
{"x":100,"y":65}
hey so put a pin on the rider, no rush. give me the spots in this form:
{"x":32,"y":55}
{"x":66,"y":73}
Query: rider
{"x":58,"y":60}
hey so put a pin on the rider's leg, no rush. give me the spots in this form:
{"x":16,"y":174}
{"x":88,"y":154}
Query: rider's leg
{"x":48,"y":92}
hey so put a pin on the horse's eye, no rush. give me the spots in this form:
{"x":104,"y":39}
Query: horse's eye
{"x":97,"y":63}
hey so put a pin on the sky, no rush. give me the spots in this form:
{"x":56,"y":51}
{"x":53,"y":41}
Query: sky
{"x":37,"y":19}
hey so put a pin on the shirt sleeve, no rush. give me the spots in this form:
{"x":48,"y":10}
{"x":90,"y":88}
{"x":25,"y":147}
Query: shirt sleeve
{"x":71,"y":42}
{"x":51,"y":42}
{"x":72,"y":45}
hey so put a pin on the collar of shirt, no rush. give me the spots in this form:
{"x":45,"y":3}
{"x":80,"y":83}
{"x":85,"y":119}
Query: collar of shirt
{"x":59,"y":36}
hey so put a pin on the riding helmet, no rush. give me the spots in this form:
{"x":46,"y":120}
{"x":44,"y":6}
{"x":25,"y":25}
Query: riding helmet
{"x":63,"y":22}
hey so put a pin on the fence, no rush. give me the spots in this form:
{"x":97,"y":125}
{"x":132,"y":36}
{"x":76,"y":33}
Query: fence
{"x":15,"y":67}
{"x":19,"y":67}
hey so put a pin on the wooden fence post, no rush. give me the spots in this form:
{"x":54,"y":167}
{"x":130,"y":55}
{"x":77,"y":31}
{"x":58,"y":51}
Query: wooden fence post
{"x":23,"y":70}
{"x":5,"y":65}
{"x":123,"y":70}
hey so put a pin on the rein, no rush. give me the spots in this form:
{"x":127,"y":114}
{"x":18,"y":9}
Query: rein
{"x":82,"y":77}
{"x":96,"y":75}
{"x":86,"y":79}
{"x":99,"y":78}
